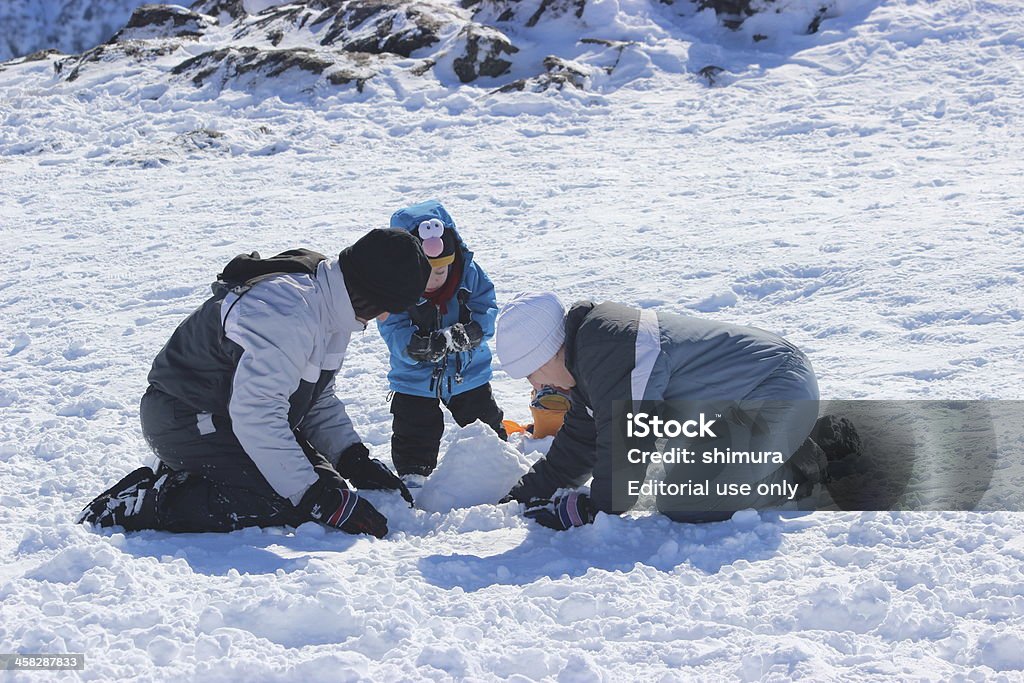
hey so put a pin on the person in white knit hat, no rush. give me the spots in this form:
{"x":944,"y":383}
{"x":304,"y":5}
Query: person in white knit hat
{"x":533,"y":341}
{"x":609,"y":352}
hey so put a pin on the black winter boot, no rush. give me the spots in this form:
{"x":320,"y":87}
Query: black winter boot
{"x":810,"y":467}
{"x":130,"y":503}
{"x":837,"y":437}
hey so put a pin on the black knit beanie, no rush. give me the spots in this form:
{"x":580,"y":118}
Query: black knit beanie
{"x":387,"y":269}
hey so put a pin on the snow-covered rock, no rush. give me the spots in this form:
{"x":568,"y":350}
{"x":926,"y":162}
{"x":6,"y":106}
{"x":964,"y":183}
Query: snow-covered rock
{"x":163,"y":21}
{"x":506,"y":46}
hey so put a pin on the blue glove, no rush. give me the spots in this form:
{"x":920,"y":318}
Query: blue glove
{"x":562,"y":512}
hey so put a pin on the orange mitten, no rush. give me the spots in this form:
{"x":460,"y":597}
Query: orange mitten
{"x":512,"y":427}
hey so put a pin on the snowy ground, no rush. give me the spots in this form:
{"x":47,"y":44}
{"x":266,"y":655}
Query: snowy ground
{"x":857,"y":191}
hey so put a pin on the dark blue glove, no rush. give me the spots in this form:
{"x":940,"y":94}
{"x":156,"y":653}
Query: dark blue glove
{"x":330,"y":501}
{"x":562,"y":512}
{"x":430,"y":348}
{"x":364,"y":472}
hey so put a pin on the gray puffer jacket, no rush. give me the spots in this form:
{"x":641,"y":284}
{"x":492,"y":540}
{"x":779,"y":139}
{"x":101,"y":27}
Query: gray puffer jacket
{"x":266,"y":357}
{"x":619,"y":353}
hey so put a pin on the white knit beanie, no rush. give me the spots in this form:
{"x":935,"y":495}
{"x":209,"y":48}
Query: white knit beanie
{"x":530,"y":330}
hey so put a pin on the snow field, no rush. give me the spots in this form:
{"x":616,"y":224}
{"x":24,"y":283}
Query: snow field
{"x":856,"y":190}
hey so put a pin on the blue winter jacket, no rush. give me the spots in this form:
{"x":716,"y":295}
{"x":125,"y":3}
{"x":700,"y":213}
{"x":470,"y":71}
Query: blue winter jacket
{"x":473,"y":367}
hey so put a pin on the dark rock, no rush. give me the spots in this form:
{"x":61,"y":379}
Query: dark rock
{"x":385,"y":39}
{"x":163,"y":21}
{"x":369,"y":26}
{"x":242,"y":60}
{"x":556,"y":8}
{"x":486,"y":11}
{"x":732,"y":13}
{"x":399,"y":27}
{"x":710,"y":73}
{"x":559,"y":74}
{"x":816,"y":21}
{"x":483,"y":56}
{"x":233,"y":8}
{"x":39,"y":55}
{"x":237,"y":62}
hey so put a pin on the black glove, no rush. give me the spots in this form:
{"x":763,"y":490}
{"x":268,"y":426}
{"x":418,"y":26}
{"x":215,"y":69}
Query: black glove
{"x":427,"y":348}
{"x":364,"y":472}
{"x":562,"y":512}
{"x":330,"y":501}
{"x":465,"y":336}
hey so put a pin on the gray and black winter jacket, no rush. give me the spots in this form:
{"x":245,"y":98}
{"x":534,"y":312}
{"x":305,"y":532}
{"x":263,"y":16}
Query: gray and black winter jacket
{"x":619,"y":353}
{"x":265,"y":357}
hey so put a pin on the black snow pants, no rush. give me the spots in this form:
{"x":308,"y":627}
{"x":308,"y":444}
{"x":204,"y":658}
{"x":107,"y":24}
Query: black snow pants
{"x":419,"y":424}
{"x":212,"y":484}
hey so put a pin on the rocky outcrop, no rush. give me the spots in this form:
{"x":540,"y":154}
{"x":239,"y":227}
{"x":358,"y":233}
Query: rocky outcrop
{"x":483,"y":51}
{"x":732,"y":13}
{"x":515,"y":11}
{"x":163,"y":21}
{"x":71,"y":68}
{"x":558,"y":74}
{"x":231,"y":9}
{"x":336,"y":39}
{"x":218,"y":67}
{"x":396,"y":27}
{"x":349,"y":42}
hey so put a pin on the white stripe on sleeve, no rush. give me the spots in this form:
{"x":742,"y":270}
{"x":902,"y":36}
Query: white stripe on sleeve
{"x":648,"y":348}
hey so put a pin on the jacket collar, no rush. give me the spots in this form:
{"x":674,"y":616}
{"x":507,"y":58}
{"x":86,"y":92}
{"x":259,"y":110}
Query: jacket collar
{"x":335,"y":304}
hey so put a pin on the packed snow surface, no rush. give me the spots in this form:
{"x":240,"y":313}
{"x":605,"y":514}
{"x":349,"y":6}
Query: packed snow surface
{"x":856,"y":190}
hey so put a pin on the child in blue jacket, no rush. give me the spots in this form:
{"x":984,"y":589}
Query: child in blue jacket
{"x":438,"y":347}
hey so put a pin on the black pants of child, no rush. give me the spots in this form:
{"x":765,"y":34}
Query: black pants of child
{"x":418,"y":425}
{"x":212,"y":485}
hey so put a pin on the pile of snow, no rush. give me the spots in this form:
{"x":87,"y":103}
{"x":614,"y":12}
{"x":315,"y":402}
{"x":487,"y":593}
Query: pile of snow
{"x":477,"y":469}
